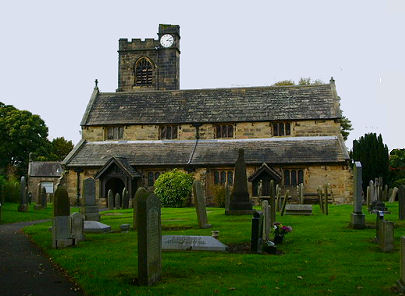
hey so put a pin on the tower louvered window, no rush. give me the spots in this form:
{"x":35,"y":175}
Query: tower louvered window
{"x":143,"y":72}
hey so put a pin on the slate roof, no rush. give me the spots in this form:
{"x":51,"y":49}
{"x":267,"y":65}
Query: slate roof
{"x":45,"y":169}
{"x":288,"y":150}
{"x":213,"y":105}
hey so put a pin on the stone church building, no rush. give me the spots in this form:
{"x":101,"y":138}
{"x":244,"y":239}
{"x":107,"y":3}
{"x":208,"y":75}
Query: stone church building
{"x":290,"y":134}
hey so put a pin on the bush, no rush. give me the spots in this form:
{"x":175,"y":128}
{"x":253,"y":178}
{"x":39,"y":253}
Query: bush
{"x":219,"y":195}
{"x":9,"y":189}
{"x":174,"y":188}
{"x":398,"y":182}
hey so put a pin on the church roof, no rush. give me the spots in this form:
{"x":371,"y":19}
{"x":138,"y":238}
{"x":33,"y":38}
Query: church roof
{"x":287,"y":150}
{"x":44,"y":169}
{"x":213,"y":105}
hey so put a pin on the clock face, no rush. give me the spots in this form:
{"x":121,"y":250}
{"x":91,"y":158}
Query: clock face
{"x":167,"y":40}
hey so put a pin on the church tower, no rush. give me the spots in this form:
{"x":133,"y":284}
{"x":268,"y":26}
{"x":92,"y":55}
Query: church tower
{"x":150,"y":64}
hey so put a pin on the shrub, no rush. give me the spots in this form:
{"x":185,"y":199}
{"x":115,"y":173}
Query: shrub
{"x":219,"y":195}
{"x":174,"y":188}
{"x":9,"y":189}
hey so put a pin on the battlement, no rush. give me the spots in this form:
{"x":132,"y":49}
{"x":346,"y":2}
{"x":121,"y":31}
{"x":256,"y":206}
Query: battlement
{"x":137,"y":44}
{"x":169,"y":29}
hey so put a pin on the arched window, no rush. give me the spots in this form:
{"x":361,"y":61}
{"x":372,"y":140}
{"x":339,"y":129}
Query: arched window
{"x":143,"y":72}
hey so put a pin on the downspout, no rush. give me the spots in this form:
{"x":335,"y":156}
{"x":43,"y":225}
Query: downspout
{"x":78,"y":171}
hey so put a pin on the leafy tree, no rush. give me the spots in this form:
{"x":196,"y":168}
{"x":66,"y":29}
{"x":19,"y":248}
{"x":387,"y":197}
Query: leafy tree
{"x":284,"y":83}
{"x":397,"y":167}
{"x":345,"y":126}
{"x":21,"y":133}
{"x":373,"y":155}
{"x":60,"y":147}
{"x":174,"y":188}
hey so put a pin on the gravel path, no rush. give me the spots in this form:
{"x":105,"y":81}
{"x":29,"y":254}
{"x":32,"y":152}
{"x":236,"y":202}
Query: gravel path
{"x":24,"y":270}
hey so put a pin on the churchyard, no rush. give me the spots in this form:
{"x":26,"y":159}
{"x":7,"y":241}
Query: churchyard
{"x":323,"y":255}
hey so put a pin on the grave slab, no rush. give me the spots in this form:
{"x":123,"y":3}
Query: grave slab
{"x":95,"y":227}
{"x":191,"y":243}
{"x":293,"y":209}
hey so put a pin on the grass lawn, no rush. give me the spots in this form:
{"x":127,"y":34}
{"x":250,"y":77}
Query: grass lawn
{"x":9,"y":213}
{"x":322,"y":256}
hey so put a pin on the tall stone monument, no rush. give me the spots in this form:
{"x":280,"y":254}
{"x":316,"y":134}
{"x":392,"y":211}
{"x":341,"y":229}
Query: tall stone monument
{"x":149,"y":239}
{"x":90,"y":209}
{"x":358,"y":218}
{"x":199,"y":201}
{"x":44,"y":201}
{"x":125,"y":198}
{"x":239,"y":201}
{"x":141,"y":192}
{"x":266,"y":220}
{"x":23,"y":206}
{"x":117,"y":201}
{"x":61,"y":222}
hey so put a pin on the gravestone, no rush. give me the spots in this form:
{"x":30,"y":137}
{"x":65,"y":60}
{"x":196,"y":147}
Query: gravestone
{"x":401,"y":281}
{"x":298,"y":209}
{"x":125,"y":198}
{"x":301,"y":192}
{"x":141,"y":192}
{"x":393,"y":194}
{"x":44,"y":202}
{"x":284,"y":205}
{"x":378,"y":223}
{"x":77,"y":227}
{"x":199,"y":201}
{"x":149,"y":239}
{"x":117,"y":203}
{"x":358,"y":220}
{"x":191,"y":243}
{"x":96,"y":227}
{"x":256,"y":241}
{"x":29,"y":197}
{"x":110,"y":199}
{"x":130,"y":203}
{"x":239,"y":201}
{"x":266,"y":220}
{"x":23,"y":206}
{"x":401,"y":202}
{"x":61,"y":223}
{"x":90,"y":209}
{"x":386,"y":240}
{"x":227,"y":197}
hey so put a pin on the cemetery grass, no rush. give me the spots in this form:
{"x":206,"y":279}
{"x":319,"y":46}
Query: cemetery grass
{"x":322,"y":256}
{"x":9,"y":213}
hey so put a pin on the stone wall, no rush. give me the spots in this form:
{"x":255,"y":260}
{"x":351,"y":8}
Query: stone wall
{"x":242,"y":130}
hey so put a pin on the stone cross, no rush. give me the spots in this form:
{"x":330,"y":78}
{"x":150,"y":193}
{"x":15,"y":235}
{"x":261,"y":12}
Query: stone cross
{"x":149,"y":239}
{"x":90,"y":209}
{"x":386,"y":239}
{"x":199,"y":201}
{"x":240,"y":203}
{"x":77,"y":227}
{"x":110,"y":199}
{"x":141,"y":192}
{"x":401,"y":202}
{"x":117,"y":201}
{"x":401,"y":281}
{"x":61,"y":222}
{"x":43,"y":198}
{"x":358,"y":218}
{"x":266,"y":220}
{"x":256,"y":241}
{"x":23,"y":207}
{"x":125,"y":198}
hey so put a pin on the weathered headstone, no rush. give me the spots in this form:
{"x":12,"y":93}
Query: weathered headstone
{"x":61,"y":223}
{"x":266,"y":220}
{"x":141,"y":192}
{"x":385,"y":193}
{"x":298,"y":209}
{"x":256,"y":241}
{"x":44,"y":202}
{"x":240,"y":203}
{"x":301,"y":192}
{"x":90,"y":209}
{"x":96,"y":227}
{"x":29,"y":197}
{"x":110,"y":199}
{"x":199,"y":201}
{"x":77,"y":227}
{"x":125,"y":198}
{"x":393,"y":194}
{"x":149,"y":239}
{"x":401,"y":202}
{"x":358,"y":220}
{"x":378,"y":223}
{"x":117,"y":201}
{"x":191,"y":243}
{"x":287,"y":193}
{"x":130,"y":203}
{"x":401,"y":281}
{"x":386,"y":240}
{"x":23,"y":206}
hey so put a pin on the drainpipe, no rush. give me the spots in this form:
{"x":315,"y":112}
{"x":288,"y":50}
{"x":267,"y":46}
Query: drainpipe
{"x":78,"y":171}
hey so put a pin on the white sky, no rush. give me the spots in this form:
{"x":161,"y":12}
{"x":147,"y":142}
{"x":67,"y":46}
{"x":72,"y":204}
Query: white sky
{"x":51,"y":52}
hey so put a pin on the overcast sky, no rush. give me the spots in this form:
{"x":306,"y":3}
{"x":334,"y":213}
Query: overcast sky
{"x":51,"y":52}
